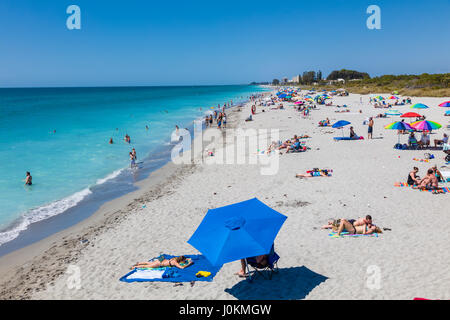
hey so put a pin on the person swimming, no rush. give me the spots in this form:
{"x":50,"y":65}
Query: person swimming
{"x":28,"y":179}
{"x":111,"y":141}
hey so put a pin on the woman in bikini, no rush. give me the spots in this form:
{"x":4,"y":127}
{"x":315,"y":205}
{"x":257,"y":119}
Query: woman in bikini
{"x":162,"y":262}
{"x":352,"y":228}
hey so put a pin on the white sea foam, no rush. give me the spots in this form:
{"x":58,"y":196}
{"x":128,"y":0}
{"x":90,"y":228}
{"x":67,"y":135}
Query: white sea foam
{"x":42,"y":213}
{"x":109,"y":177}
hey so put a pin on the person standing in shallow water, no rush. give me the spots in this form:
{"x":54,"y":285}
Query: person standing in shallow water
{"x":28,"y":179}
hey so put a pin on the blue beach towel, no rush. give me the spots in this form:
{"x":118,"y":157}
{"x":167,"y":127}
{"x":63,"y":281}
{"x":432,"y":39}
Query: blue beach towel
{"x":173,"y":274}
{"x":346,"y":234}
{"x":346,"y":138}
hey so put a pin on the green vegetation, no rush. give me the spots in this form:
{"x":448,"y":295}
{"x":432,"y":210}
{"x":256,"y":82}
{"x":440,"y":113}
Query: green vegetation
{"x":433,"y":85}
{"x":347,"y":75}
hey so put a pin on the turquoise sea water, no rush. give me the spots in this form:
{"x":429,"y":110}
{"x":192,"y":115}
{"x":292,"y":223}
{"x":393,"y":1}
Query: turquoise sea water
{"x":61,"y":136}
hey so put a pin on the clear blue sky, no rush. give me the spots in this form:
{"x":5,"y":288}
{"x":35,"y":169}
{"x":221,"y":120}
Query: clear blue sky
{"x":215,"y":42}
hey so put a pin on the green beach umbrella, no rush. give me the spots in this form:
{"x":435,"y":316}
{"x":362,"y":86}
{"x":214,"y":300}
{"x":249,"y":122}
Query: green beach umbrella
{"x":419,"y":106}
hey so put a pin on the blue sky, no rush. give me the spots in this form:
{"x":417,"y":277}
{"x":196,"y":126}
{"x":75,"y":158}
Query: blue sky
{"x":215,"y":42}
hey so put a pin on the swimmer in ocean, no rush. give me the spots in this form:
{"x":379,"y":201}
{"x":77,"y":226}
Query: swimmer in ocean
{"x":111,"y":141}
{"x":28,"y":179}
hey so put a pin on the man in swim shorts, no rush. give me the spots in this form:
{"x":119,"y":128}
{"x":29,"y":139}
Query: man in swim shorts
{"x":370,"y":130}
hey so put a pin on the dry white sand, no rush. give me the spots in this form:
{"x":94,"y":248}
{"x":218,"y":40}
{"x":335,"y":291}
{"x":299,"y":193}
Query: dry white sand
{"x":410,"y":260}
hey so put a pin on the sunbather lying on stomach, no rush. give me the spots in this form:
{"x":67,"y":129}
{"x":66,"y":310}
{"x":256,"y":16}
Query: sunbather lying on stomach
{"x":161,"y":262}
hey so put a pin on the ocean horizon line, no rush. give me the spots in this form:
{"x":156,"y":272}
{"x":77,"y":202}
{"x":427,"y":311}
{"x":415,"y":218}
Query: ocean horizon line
{"x":134,"y":86}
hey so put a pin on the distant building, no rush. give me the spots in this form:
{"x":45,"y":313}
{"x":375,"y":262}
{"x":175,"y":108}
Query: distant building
{"x":296,"y":79}
{"x":336,"y":81}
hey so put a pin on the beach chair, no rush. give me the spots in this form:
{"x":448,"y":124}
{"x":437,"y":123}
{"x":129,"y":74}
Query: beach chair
{"x":255,"y":270}
{"x":413,"y":144}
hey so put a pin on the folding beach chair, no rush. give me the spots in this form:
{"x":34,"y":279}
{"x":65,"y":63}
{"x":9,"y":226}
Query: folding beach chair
{"x":413,"y":144}
{"x":254,"y":269}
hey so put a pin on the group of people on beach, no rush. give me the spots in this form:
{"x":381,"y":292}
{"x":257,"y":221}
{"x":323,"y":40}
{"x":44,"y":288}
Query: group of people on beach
{"x":219,"y":117}
{"x":430,"y":181}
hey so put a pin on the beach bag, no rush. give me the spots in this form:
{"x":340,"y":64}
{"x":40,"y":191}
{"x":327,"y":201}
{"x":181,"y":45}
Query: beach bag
{"x":447,"y":158}
{"x":428,"y":156}
{"x":398,"y":146}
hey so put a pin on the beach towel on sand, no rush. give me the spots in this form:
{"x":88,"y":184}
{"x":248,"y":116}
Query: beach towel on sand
{"x":346,"y":234}
{"x":440,"y":189}
{"x":347,"y":138}
{"x":173,"y":274}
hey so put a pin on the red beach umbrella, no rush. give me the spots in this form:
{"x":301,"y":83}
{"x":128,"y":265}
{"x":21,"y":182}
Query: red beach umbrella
{"x":410,"y":115}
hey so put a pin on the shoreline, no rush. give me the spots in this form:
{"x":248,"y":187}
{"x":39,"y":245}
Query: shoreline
{"x":66,"y":245}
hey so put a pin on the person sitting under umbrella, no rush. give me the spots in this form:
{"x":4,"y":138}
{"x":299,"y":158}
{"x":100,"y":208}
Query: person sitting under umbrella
{"x":412,"y":139}
{"x":262,"y":261}
{"x":352,"y":133}
{"x":424,"y":140}
{"x":439,"y":142}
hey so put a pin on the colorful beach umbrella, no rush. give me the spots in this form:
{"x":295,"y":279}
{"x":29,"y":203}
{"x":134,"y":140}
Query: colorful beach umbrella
{"x":445,"y":104}
{"x":393,"y":98}
{"x":426,"y":125}
{"x":447,"y":113}
{"x":419,"y":106}
{"x":237,"y":231}
{"x":398,"y":125}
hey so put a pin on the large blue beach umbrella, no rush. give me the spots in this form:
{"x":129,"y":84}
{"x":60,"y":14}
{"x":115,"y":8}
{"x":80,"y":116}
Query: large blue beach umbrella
{"x":237,"y":231}
{"x":341,"y":124}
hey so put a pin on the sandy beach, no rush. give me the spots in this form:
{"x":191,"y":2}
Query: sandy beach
{"x":410,"y":260}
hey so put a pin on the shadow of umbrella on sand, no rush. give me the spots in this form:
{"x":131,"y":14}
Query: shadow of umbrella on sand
{"x":288,"y":284}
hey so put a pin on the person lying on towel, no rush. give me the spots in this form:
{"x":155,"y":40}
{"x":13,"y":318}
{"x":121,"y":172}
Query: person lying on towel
{"x":314,"y":173}
{"x":359,"y":226}
{"x":179,"y":262}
